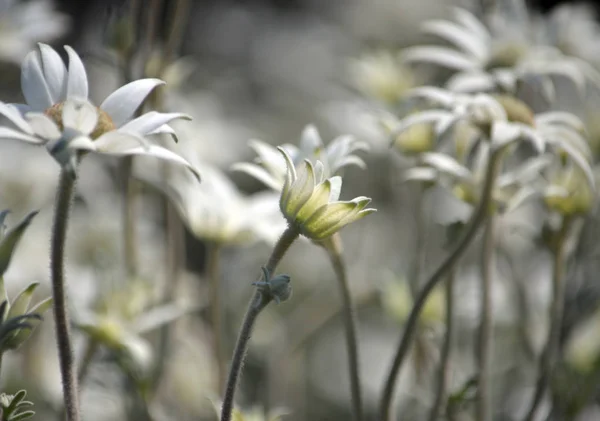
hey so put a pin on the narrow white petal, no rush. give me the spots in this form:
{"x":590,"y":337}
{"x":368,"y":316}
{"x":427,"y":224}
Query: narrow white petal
{"x":151,"y":121}
{"x":122,"y":103}
{"x":441,"y":56}
{"x":468,"y":20}
{"x":77,"y":83}
{"x":440,"y":96}
{"x":10,"y":134}
{"x":43,"y":126}
{"x":469,"y":82}
{"x":83,"y":143}
{"x":33,"y":84}
{"x":80,"y":116}
{"x":55,"y":72}
{"x":259,"y":173}
{"x":464,"y":39}
{"x":430,"y":116}
{"x":446,"y":164}
{"x":310,"y":141}
{"x":336,"y":188}
{"x":117,"y":142}
{"x":560,"y":117}
{"x":15,"y":117}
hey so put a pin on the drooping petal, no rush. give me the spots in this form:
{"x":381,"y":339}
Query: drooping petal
{"x":111,"y":148}
{"x":15,"y":117}
{"x":151,"y":121}
{"x":269,"y":158}
{"x":43,"y":126}
{"x":11,"y":134}
{"x":117,"y":142}
{"x":80,"y":116}
{"x":326,"y":217}
{"x":77,"y":82}
{"x":55,"y":72}
{"x":446,"y":164}
{"x":122,"y":103}
{"x":459,"y":36}
{"x":34,"y":86}
{"x":350,"y":218}
{"x":468,"y":20}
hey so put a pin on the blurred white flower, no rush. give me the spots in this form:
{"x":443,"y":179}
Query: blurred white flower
{"x":488,"y":60}
{"x":23,"y":23}
{"x":310,"y":202}
{"x":270,"y":167}
{"x":215,"y":210}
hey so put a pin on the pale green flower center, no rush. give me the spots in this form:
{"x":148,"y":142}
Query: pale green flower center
{"x":105,"y":123}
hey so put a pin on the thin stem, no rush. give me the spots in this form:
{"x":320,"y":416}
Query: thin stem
{"x":212,"y":269}
{"x":257,"y":303}
{"x":334,"y":251}
{"x":484,"y":344}
{"x":442,"y":384}
{"x":548,"y":358}
{"x":64,"y":198}
{"x":129,"y":218}
{"x":411,"y":324}
{"x":91,"y":347}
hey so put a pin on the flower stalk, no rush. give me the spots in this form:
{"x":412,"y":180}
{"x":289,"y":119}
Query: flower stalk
{"x":333,"y":246}
{"x":442,"y":381}
{"x":478,"y":217}
{"x":547,"y":360}
{"x":257,"y":303}
{"x":484,"y":343}
{"x":64,"y":198}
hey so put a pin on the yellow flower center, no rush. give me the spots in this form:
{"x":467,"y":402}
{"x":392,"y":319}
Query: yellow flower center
{"x":105,"y":123}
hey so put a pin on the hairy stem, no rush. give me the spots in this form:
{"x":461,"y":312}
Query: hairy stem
{"x":549,"y":354}
{"x":442,"y":383}
{"x":212,"y":268}
{"x":257,"y":303}
{"x":64,"y":198}
{"x":447,"y":265}
{"x":484,"y":343}
{"x":334,"y":250}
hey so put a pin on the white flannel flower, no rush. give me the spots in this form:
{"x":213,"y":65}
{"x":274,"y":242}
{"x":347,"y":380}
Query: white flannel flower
{"x":496,"y":59}
{"x":47,"y":83}
{"x":79,"y":122}
{"x":309,"y":200}
{"x":215,"y":210}
{"x":271,"y":170}
{"x":23,"y":23}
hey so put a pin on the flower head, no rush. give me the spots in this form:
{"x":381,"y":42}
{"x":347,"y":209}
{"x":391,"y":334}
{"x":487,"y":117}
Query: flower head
{"x":309,"y":200}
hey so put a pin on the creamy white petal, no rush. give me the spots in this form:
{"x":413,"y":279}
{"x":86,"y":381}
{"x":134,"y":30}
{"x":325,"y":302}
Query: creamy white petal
{"x":55,"y":72}
{"x":119,"y":142}
{"x":77,"y":82}
{"x":459,"y":36}
{"x":81,"y":116}
{"x":310,"y":140}
{"x":442,"y":56}
{"x":33,"y":83}
{"x":259,"y":173}
{"x":151,"y":121}
{"x":43,"y":126}
{"x":122,"y":103}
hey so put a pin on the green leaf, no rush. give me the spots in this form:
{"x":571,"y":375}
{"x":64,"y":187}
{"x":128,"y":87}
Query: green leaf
{"x":11,"y":239}
{"x":21,"y":303}
{"x":22,"y":416}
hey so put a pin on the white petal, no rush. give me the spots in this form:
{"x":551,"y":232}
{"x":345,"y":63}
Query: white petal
{"x":430,"y":116}
{"x":10,"y":134}
{"x":82,"y":143}
{"x":469,"y":82}
{"x":468,"y":20}
{"x":55,"y":72}
{"x":33,"y":84}
{"x":504,"y":133}
{"x":446,"y":164}
{"x":442,"y":56}
{"x":310,"y":141}
{"x":560,"y":117}
{"x":15,"y":117}
{"x":80,"y":116}
{"x":259,"y":173}
{"x":336,"y":188}
{"x":118,"y":142}
{"x":122,"y":103}
{"x":420,"y":174}
{"x":43,"y":126}
{"x":434,"y":94}
{"x":77,"y":83}
{"x":464,"y":39}
{"x":149,"y":122}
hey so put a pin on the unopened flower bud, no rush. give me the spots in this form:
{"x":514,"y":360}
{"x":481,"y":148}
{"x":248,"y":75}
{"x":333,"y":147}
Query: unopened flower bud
{"x":277,"y":288}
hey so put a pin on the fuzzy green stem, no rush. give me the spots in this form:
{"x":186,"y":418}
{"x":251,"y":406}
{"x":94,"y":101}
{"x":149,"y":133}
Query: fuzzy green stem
{"x":257,"y":303}
{"x":484,"y":343}
{"x":212,"y":269}
{"x":442,"y":383}
{"x":447,"y":265}
{"x":64,"y":198}
{"x":547,"y":360}
{"x":333,"y":246}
